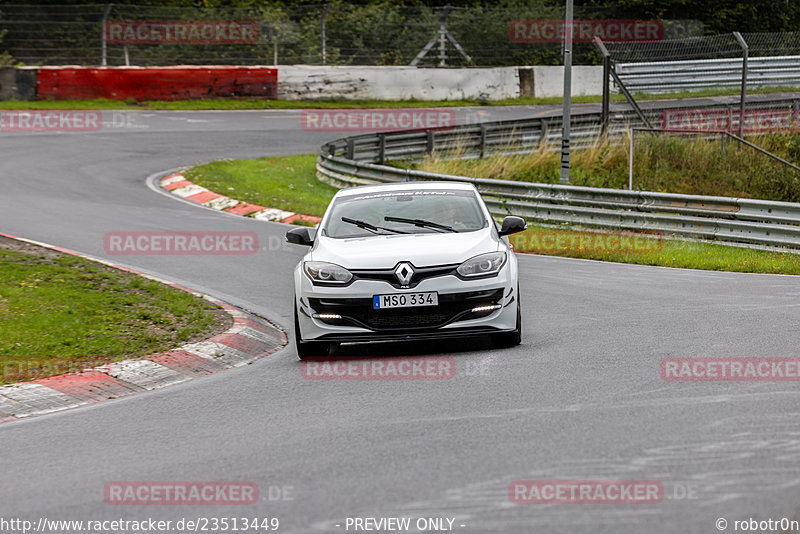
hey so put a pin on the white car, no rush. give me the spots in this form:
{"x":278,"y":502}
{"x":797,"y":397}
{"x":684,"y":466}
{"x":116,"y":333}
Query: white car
{"x":405,"y":261}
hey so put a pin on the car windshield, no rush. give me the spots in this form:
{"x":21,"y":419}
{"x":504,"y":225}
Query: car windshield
{"x":405,"y":212}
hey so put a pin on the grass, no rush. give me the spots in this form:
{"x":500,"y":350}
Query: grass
{"x":287,"y":182}
{"x":57,"y":309}
{"x":653,"y":251}
{"x":704,"y":93}
{"x":661,"y":163}
{"x":257,"y":103}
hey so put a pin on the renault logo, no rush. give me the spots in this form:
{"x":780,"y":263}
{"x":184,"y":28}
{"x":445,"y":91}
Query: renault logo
{"x":404,"y":273}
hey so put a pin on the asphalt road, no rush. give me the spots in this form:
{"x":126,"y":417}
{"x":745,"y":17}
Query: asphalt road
{"x":580,"y":399}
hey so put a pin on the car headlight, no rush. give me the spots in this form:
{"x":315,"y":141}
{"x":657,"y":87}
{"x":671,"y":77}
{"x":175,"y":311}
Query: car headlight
{"x":329,"y":273}
{"x":483,"y":265}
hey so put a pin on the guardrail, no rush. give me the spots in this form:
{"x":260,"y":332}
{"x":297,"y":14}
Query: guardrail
{"x":474,"y":141}
{"x":517,"y":136}
{"x":358,"y":161}
{"x":674,"y":76}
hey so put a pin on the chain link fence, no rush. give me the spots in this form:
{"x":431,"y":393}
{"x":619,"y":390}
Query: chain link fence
{"x":333,"y":34}
{"x":772,"y":43}
{"x":764,"y":44}
{"x":750,"y":60}
{"x":705,"y":47}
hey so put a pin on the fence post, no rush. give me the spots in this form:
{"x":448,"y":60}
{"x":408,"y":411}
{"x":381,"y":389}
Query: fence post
{"x":103,"y":58}
{"x":545,"y":135}
{"x":381,"y":149}
{"x":630,"y":99}
{"x":630,"y":162}
{"x":567,"y":98}
{"x":730,"y":119}
{"x":745,"y":54}
{"x":351,"y":148}
{"x":443,"y":39}
{"x":483,"y":140}
{"x":430,"y":140}
{"x":606,"y":89}
{"x":323,"y":24}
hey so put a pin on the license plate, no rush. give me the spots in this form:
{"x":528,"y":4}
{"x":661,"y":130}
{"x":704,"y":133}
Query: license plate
{"x":405,"y":300}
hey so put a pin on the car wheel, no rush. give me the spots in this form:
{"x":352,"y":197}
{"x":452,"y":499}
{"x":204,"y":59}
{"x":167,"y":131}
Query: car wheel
{"x":308,"y":349}
{"x":513,"y":338}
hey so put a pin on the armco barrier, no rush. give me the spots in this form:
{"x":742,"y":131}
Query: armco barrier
{"x":698,"y":74}
{"x":156,"y":83}
{"x":522,"y":135}
{"x":352,"y":161}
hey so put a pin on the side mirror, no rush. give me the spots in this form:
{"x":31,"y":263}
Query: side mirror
{"x":300,"y":236}
{"x":512,"y":225}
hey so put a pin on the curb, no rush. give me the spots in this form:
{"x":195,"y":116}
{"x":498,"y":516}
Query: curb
{"x":250,"y":338}
{"x":177,"y":184}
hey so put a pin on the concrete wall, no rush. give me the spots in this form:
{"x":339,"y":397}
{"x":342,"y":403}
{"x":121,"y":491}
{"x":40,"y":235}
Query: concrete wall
{"x":401,"y":83}
{"x":549,"y":81}
{"x":300,"y":82}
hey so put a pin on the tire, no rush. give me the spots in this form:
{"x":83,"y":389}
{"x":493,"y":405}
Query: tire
{"x":308,"y":349}
{"x":505,"y":340}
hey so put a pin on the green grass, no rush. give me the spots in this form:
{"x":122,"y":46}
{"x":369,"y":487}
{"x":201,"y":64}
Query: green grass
{"x":656,"y":251}
{"x":704,"y":93}
{"x":661,"y":163}
{"x":286,"y":182}
{"x":257,"y":103}
{"x":60,"y":308}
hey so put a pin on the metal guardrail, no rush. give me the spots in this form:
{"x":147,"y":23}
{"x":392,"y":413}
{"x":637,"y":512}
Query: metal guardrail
{"x":673,"y":76}
{"x":474,"y":141}
{"x":515,"y":137}
{"x":358,"y":161}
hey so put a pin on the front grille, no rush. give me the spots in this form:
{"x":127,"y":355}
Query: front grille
{"x":396,"y":320}
{"x":420,"y":274}
{"x":452,"y":307}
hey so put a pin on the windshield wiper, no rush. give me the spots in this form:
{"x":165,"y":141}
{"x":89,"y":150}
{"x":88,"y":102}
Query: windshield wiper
{"x":371,"y":227}
{"x":422,"y":223}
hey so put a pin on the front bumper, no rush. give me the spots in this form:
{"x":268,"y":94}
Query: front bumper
{"x":345,"y":314}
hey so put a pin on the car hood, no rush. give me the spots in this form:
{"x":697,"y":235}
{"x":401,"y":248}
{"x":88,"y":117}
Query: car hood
{"x":422,"y":250}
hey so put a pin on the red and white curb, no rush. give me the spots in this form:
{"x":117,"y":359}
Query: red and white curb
{"x":249,"y":339}
{"x":177,"y":184}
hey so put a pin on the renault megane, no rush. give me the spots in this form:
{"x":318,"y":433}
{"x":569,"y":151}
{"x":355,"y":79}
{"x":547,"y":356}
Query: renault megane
{"x":406,"y":261}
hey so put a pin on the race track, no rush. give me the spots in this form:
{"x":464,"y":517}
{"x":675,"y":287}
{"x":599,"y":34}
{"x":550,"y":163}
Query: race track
{"x":580,"y":399}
